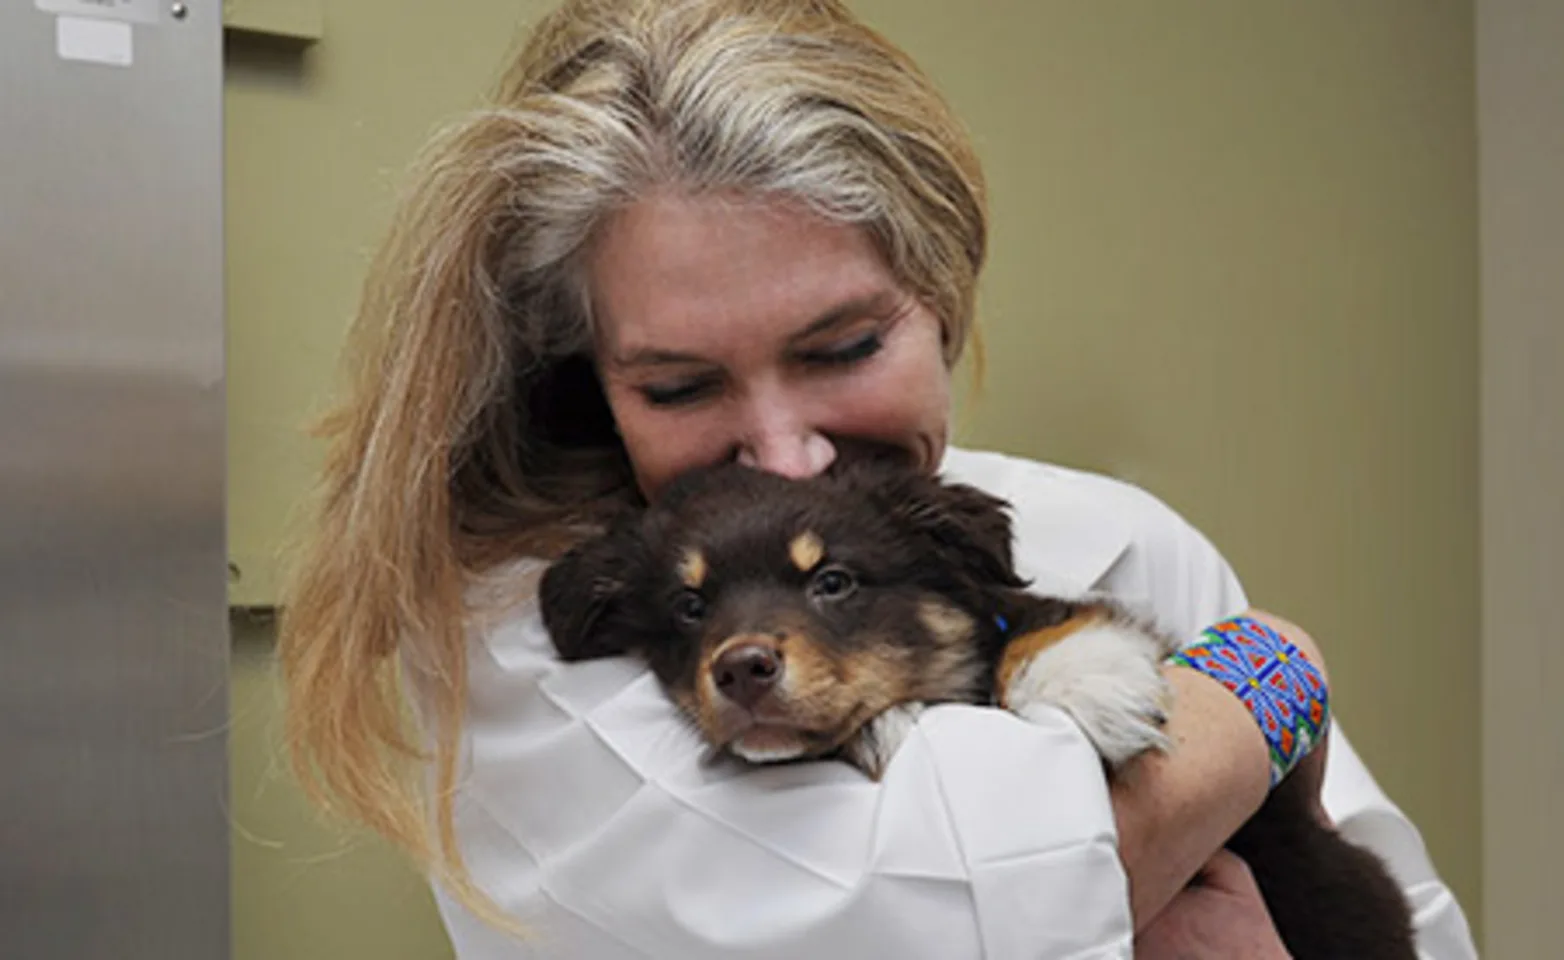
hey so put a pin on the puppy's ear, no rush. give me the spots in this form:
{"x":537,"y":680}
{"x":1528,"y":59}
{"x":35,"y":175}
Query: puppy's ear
{"x":965,"y":529}
{"x":583,"y":592}
{"x":969,"y":529}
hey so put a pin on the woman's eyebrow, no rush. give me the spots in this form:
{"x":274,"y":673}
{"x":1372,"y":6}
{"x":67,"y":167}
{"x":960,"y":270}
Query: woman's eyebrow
{"x":870,"y":304}
{"x":653,"y":357}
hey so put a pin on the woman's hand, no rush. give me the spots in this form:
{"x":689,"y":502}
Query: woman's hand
{"x":1220,"y":916}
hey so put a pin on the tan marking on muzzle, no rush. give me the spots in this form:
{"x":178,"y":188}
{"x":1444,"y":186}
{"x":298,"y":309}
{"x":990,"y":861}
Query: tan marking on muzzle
{"x":955,"y":665}
{"x":806,"y":551}
{"x":829,"y":696}
{"x":877,"y":678}
{"x":807,"y":675}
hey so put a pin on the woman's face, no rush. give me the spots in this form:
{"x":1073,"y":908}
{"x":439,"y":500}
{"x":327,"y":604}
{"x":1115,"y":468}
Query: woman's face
{"x":734,"y":329}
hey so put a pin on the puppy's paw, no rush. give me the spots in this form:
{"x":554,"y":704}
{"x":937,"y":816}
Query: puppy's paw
{"x":1107,"y":677}
{"x":873,"y":746}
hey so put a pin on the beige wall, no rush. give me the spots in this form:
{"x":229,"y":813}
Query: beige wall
{"x":1521,"y":119}
{"x":1234,"y":261}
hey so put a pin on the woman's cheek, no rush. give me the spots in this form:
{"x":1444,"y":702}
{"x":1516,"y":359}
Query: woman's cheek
{"x":666,"y":444}
{"x":902,"y":410}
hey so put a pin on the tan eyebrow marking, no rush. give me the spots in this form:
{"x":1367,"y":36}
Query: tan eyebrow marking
{"x":692,"y":569}
{"x":806,"y":550}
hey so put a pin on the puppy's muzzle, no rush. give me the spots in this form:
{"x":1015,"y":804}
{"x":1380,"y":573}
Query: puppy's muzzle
{"x":747,"y":671}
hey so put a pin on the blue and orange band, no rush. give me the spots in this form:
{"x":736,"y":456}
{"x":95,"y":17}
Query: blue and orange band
{"x":1284,"y":691}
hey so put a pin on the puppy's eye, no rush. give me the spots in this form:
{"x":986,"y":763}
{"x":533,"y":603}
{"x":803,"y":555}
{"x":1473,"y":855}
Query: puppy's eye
{"x":832,"y":583}
{"x":689,"y":608}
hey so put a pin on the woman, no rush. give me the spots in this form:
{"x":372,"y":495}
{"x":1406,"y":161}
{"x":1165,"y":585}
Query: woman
{"x":686,"y":232}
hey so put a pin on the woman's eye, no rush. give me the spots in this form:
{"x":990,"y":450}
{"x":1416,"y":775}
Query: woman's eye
{"x":847,"y":354}
{"x":689,"y":608}
{"x":677,"y":394}
{"x":833,"y":583}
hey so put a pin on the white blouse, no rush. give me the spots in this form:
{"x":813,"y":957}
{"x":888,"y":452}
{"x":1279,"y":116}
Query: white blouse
{"x":591,"y":811}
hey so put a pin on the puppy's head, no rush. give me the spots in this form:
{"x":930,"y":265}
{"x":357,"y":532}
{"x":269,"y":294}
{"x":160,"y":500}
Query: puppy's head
{"x":784,"y":615}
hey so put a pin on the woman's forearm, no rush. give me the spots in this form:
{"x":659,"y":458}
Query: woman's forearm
{"x":1175,"y":810}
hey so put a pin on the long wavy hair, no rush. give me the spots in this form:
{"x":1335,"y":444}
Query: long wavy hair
{"x":472,"y":429}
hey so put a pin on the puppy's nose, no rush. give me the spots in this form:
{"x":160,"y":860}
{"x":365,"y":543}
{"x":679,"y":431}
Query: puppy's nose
{"x":745,"y":672}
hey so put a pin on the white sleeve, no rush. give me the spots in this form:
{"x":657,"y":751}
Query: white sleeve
{"x":592,"y":812}
{"x":1172,"y":569}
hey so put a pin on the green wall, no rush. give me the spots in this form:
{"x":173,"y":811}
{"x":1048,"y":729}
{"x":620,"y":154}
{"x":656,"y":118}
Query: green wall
{"x":1234,"y":261}
{"x":316,"y":134}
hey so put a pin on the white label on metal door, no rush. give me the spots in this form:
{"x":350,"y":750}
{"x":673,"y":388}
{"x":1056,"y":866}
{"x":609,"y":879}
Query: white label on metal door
{"x":95,"y":41}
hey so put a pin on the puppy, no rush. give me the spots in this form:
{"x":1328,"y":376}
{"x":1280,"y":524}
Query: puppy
{"x":794,"y":620}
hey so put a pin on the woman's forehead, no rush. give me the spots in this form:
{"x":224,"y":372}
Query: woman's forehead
{"x":679,"y":269}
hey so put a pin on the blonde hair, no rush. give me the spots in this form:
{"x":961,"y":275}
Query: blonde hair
{"x":473,"y":429}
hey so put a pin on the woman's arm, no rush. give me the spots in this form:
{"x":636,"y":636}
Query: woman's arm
{"x":1174,"y":811}
{"x":1081,"y":531}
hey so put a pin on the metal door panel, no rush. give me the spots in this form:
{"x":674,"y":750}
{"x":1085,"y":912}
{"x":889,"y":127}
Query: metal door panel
{"x":113,"y":630}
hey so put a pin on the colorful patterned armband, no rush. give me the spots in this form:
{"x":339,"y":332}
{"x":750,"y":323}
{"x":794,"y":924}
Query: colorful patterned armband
{"x":1285,"y":692}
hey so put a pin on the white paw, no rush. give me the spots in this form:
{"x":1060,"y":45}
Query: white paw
{"x":1108,"y":678}
{"x":872,"y":747}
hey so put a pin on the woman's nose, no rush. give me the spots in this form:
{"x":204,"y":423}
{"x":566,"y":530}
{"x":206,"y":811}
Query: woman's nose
{"x":781,"y":445}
